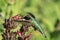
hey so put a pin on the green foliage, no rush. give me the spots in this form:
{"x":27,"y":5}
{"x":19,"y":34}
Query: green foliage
{"x":46,"y":12}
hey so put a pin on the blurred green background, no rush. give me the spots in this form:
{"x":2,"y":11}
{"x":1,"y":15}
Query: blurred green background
{"x":47,"y":12}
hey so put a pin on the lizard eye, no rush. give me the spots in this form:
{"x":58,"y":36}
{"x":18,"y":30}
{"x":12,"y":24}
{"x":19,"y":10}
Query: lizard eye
{"x":27,"y":17}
